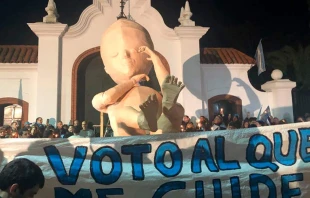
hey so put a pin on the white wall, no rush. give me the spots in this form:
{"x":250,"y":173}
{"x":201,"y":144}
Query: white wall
{"x":232,"y":79}
{"x":20,"y":81}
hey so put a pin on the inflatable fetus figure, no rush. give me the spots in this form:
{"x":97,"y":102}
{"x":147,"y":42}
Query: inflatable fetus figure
{"x":128,"y":55}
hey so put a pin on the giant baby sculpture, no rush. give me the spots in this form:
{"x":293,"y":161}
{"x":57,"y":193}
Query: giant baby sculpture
{"x":128,"y":55}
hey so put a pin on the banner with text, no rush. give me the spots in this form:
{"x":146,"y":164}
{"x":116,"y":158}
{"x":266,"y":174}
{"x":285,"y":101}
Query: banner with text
{"x":257,"y":162}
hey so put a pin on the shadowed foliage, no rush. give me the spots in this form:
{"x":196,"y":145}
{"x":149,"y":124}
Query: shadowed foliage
{"x":290,"y":59}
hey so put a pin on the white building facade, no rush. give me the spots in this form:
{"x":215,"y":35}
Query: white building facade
{"x":45,"y":78}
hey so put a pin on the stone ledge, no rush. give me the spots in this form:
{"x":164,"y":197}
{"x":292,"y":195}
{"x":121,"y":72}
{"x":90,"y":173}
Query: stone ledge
{"x":48,"y":29}
{"x":278,"y":84}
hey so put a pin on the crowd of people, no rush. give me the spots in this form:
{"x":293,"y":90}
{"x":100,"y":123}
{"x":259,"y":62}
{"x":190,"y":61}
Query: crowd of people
{"x":230,"y":122}
{"x":85,"y":129}
{"x":39,"y":130}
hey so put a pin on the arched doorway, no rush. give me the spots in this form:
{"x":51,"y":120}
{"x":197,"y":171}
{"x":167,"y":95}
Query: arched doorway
{"x":88,"y":79}
{"x":228,"y":103}
{"x":17,"y":106}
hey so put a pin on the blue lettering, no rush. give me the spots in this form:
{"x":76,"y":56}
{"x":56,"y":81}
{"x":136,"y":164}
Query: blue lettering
{"x":235,"y":187}
{"x":167,"y":187}
{"x":200,"y":193}
{"x":305,"y":144}
{"x":202,"y":151}
{"x":217,"y":187}
{"x":102,"y":193}
{"x":176,"y":158}
{"x":258,"y":178}
{"x":136,"y":152}
{"x":61,"y":193}
{"x":96,"y":169}
{"x":55,"y":160}
{"x":266,"y":159}
{"x":220,"y":155}
{"x":290,"y":158}
{"x":285,"y":189}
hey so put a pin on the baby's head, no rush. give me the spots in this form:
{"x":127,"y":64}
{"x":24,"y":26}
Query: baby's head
{"x":119,"y":50}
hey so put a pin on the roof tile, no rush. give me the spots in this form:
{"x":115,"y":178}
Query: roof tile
{"x":18,"y":54}
{"x":224,"y":56}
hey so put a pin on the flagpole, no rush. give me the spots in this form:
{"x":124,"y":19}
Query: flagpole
{"x":101,"y":124}
{"x":268,"y":119}
{"x":259,"y":113}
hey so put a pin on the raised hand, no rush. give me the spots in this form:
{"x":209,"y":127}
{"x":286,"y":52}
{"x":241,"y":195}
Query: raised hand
{"x":146,"y":50}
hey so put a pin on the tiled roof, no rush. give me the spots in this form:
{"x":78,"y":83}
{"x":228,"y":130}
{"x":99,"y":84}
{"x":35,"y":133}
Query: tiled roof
{"x":224,"y":56}
{"x":29,"y":54}
{"x":18,"y":54}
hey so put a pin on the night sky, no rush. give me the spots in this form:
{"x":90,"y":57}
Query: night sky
{"x":239,"y":24}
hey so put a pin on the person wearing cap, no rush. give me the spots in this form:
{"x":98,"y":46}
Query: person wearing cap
{"x":27,"y":124}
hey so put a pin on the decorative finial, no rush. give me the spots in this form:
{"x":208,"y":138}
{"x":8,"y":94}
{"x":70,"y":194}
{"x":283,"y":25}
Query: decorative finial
{"x":185,"y":16}
{"x":276,"y":74}
{"x":52,"y":14}
{"x":129,"y":15}
{"x":122,"y":14}
{"x":181,"y":19}
{"x":187,"y":8}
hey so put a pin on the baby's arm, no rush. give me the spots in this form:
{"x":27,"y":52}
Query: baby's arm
{"x":102,"y":100}
{"x":161,"y":68}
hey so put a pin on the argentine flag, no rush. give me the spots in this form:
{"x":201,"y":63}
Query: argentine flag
{"x":260,"y":59}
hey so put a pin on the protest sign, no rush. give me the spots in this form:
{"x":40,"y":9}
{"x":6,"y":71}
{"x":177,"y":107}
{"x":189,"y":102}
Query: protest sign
{"x":257,"y":162}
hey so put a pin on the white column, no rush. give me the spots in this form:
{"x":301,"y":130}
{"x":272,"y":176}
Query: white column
{"x":190,"y":57}
{"x":49,"y":68}
{"x":280,"y":98}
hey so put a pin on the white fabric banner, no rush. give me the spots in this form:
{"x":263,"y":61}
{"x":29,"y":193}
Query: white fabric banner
{"x":258,"y":162}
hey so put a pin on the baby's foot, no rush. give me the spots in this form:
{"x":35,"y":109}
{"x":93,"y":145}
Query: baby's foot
{"x":150,"y":109}
{"x":171,"y":89}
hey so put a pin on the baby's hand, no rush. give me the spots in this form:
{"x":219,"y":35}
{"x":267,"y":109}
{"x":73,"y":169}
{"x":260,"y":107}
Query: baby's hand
{"x":146,"y":50}
{"x":140,"y":77}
